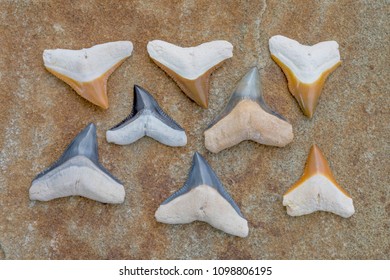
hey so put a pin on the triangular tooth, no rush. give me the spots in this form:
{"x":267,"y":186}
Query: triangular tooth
{"x":87,"y":70}
{"x":191,"y":67}
{"x":147,"y":118}
{"x":78,"y":172}
{"x":247,"y":117}
{"x":203,"y":198}
{"x":306,"y":68}
{"x":317,"y":190}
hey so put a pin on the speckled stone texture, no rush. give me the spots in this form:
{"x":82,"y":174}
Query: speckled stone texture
{"x":40,"y":115}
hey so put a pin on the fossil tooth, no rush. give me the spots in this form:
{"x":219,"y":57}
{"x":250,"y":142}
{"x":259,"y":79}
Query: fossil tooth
{"x":306,"y":68}
{"x":87,"y":70}
{"x":147,"y":118}
{"x":78,"y":172}
{"x":247,"y":117}
{"x":317,"y":190}
{"x":203,"y":198}
{"x":191,"y":67}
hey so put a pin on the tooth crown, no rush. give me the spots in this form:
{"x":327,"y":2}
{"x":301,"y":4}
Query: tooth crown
{"x":306,"y":68}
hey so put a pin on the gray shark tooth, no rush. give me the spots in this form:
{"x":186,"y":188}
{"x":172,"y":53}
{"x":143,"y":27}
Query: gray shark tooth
{"x":147,"y":118}
{"x":247,"y":117}
{"x":203,"y":198}
{"x":78,"y":172}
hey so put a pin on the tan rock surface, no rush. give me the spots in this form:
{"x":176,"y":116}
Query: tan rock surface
{"x":40,"y":115}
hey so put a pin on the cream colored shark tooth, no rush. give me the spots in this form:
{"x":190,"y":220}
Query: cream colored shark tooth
{"x":191,"y":67}
{"x":87,"y":70}
{"x":203,"y":198}
{"x":247,"y":117}
{"x":147,"y":119}
{"x":317,"y":190}
{"x":78,"y":172}
{"x":306,"y":68}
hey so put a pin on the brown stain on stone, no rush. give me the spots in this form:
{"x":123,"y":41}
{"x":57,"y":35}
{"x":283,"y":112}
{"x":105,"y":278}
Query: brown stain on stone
{"x":234,"y":251}
{"x":2,"y":253}
{"x":72,"y":248}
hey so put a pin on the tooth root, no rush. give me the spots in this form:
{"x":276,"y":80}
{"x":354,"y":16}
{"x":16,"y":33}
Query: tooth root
{"x":317,"y":190}
{"x":306,"y":94}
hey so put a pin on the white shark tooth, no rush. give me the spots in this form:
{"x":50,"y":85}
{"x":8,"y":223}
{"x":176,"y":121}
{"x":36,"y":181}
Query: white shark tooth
{"x":191,"y":67}
{"x":317,"y":190}
{"x":78,"y":172}
{"x":306,"y":68}
{"x":147,"y":118}
{"x":87,"y":70}
{"x":203,"y":198}
{"x":247,"y":117}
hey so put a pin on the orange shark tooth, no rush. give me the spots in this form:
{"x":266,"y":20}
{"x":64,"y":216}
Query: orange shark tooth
{"x":317,"y":190}
{"x":306,"y":68}
{"x":87,"y":70}
{"x":191,"y":67}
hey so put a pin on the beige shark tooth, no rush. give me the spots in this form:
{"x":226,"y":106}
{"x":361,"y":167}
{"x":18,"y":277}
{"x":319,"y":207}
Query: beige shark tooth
{"x":87,"y":70}
{"x":306,"y":68}
{"x":191,"y":67}
{"x":317,"y":190}
{"x":203,"y":198}
{"x":247,"y":117}
{"x":78,"y":172}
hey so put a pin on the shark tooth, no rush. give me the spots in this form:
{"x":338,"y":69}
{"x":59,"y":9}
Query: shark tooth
{"x":247,"y":117}
{"x":317,"y":190}
{"x":306,"y":68}
{"x":191,"y":67}
{"x":147,"y":118}
{"x":203,"y":198}
{"x":87,"y":70}
{"x":78,"y":172}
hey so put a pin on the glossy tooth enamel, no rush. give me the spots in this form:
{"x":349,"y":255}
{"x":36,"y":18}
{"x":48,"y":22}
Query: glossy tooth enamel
{"x":317,"y":190}
{"x":247,"y":117}
{"x":191,"y":67}
{"x":306,"y":68}
{"x":147,"y":119}
{"x":78,"y":172}
{"x":203,"y":198}
{"x":87,"y":70}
